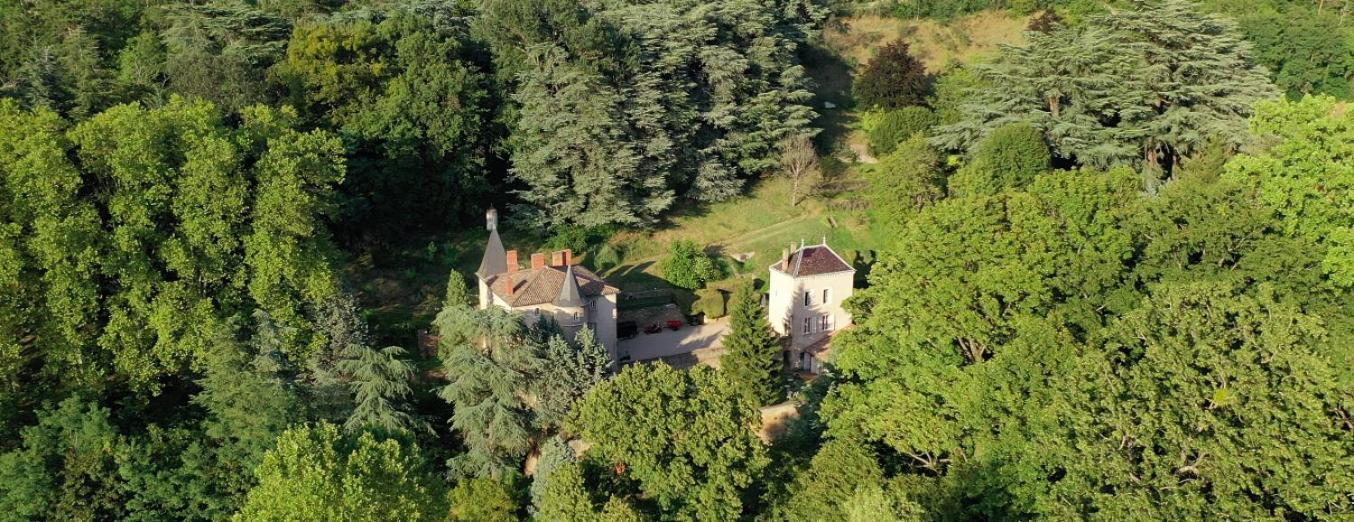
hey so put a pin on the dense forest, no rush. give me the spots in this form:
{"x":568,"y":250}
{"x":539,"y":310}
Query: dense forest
{"x":1111,"y":273}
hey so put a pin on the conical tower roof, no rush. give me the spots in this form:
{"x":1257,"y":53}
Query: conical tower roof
{"x":495,"y":259}
{"x":570,"y":296}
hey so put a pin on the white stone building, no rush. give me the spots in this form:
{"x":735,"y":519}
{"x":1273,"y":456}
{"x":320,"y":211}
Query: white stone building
{"x":572,"y":295}
{"x":808,"y":286}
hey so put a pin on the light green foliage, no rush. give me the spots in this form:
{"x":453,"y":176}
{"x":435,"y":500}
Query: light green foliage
{"x":175,"y":214}
{"x":564,"y":495}
{"x":315,"y":473}
{"x":489,"y":358}
{"x":895,"y":126}
{"x":1306,"y":175}
{"x":482,"y":500}
{"x":1145,"y":86}
{"x":379,"y":380}
{"x":873,"y":503}
{"x":752,"y":352}
{"x":1008,"y":157}
{"x":1252,"y":406}
{"x":711,"y":303}
{"x":953,"y":89}
{"x":698,"y":451}
{"x":906,"y":181}
{"x":826,"y":489}
{"x":458,"y":292}
{"x":687,"y":266}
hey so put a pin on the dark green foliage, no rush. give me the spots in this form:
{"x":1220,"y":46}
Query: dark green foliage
{"x":605,"y":257}
{"x":218,"y":51}
{"x":1146,"y":87}
{"x":897,"y":126}
{"x":65,"y":469}
{"x":752,"y":352}
{"x":893,"y":79}
{"x":407,"y":88}
{"x":1009,"y":157}
{"x":1306,"y":52}
{"x":379,"y":380}
{"x":687,"y":266}
{"x":569,"y":370}
{"x":693,"y":100}
{"x":488,"y":356}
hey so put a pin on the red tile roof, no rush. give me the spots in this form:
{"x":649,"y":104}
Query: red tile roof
{"x":542,"y":285}
{"x":815,"y":260}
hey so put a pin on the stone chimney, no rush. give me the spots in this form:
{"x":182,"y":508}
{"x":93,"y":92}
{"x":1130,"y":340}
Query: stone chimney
{"x":785,"y":259}
{"x":512,"y":261}
{"x":557,"y":258}
{"x":568,"y":257}
{"x":537,"y":261}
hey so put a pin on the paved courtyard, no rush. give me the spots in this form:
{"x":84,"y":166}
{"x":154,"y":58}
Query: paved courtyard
{"x":669,"y":343}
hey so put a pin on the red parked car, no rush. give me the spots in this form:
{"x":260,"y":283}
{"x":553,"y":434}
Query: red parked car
{"x":675,"y":325}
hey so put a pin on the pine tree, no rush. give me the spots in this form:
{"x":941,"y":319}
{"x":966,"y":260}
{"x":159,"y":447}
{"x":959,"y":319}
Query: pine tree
{"x":1145,"y":87}
{"x":379,"y":380}
{"x":490,"y":359}
{"x":752,"y":353}
{"x":458,"y":292}
{"x":570,"y":370}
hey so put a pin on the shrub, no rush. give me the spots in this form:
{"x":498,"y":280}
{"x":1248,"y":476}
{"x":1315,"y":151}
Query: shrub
{"x":606,"y":257}
{"x":711,"y":303}
{"x":905,"y":181}
{"x":893,"y":127}
{"x":893,"y":80}
{"x":1010,"y":157}
{"x":689,"y":267}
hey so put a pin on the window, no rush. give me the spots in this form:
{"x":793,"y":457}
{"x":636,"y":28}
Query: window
{"x":825,"y":323}
{"x":807,"y":325}
{"x":827,"y":296}
{"x":808,"y":298}
{"x":577,"y":316}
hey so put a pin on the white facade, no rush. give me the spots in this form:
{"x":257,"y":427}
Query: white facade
{"x":805,"y":302}
{"x":809,"y":308}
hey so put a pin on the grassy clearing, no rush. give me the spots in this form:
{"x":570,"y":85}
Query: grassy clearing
{"x":936,"y":44}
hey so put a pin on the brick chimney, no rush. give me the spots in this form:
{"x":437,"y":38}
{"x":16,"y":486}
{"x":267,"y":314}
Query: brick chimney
{"x":785,"y":259}
{"x":557,"y":258}
{"x":512,"y":261}
{"x":537,"y":261}
{"x":568,"y":257}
